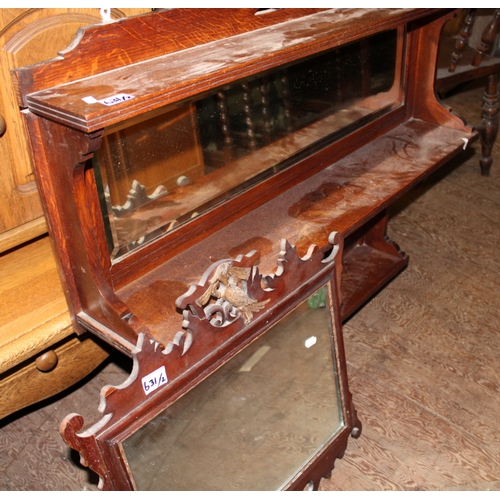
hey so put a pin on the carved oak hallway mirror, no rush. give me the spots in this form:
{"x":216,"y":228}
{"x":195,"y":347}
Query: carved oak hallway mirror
{"x":273,"y":415}
{"x":216,"y":196}
{"x":258,"y":420}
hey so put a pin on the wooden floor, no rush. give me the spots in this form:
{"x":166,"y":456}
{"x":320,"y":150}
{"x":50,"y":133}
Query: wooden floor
{"x":423,"y":355}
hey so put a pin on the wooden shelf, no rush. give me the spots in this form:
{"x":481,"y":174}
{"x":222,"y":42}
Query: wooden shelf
{"x":168,"y":76}
{"x":366,"y":271}
{"x":343,"y":197}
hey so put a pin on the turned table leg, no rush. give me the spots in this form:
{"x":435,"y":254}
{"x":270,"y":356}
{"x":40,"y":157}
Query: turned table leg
{"x":489,"y":126}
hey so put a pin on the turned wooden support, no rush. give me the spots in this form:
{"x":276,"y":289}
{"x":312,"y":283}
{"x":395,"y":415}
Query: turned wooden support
{"x":487,"y":38}
{"x":462,"y":40}
{"x":489,"y":126}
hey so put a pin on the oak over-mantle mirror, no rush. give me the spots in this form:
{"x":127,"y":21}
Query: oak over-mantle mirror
{"x":159,"y":172}
{"x":205,"y":199}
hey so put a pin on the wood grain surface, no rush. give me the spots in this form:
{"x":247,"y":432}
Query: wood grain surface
{"x":422,"y":355}
{"x":30,"y":289}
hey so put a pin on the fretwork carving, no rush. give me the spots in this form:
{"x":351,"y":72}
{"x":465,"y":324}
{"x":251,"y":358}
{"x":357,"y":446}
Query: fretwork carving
{"x":137,"y":196}
{"x":229,"y":286}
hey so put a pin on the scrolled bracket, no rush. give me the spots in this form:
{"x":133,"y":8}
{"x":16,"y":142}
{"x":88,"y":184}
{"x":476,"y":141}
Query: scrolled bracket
{"x":85,"y":444}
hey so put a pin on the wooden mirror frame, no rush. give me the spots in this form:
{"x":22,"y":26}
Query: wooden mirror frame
{"x":203,"y":345}
{"x":393,"y":152}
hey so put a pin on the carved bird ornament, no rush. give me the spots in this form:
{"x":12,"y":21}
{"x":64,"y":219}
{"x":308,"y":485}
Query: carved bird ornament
{"x":224,"y":285}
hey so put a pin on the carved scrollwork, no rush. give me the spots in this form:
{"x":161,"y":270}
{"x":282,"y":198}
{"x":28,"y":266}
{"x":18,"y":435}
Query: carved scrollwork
{"x":221,"y":313}
{"x":229,"y":286}
{"x":231,"y":292}
{"x":228,"y":290}
{"x":136,"y":197}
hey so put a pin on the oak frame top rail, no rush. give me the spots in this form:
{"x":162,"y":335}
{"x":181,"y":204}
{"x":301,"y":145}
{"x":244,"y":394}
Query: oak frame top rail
{"x":174,"y":77}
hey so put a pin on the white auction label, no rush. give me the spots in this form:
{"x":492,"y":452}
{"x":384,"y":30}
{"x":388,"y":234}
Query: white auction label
{"x":154,"y":380}
{"x":109,"y":101}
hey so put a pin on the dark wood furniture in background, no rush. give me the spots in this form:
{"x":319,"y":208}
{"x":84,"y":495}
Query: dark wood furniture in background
{"x":198,"y":281}
{"x":460,"y":63}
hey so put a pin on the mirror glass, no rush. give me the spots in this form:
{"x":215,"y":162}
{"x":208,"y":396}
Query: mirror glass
{"x":158,"y":173}
{"x":256,"y":421}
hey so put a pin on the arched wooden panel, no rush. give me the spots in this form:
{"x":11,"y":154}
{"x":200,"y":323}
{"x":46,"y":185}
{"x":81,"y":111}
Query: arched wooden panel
{"x":29,"y":36}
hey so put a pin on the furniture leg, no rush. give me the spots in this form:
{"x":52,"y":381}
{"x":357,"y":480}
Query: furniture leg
{"x":489,"y":126}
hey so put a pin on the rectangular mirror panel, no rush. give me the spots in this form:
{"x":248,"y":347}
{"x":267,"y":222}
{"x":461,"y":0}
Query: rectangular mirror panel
{"x":256,"y":421}
{"x":182,"y":161}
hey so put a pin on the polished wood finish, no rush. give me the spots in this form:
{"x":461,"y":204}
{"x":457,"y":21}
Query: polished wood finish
{"x":295,"y":219}
{"x":30,"y":36}
{"x":38,"y":355}
{"x":28,"y":293}
{"x":52,"y":372}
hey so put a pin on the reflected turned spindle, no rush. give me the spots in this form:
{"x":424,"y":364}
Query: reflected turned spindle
{"x":228,"y":140}
{"x":287,"y":102}
{"x":248,"y":116}
{"x":487,"y":38}
{"x":489,"y":126}
{"x":266,"y":113}
{"x":462,"y":40}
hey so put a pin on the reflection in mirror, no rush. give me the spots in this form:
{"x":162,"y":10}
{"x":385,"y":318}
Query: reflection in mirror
{"x":256,"y":421}
{"x":184,"y":160}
